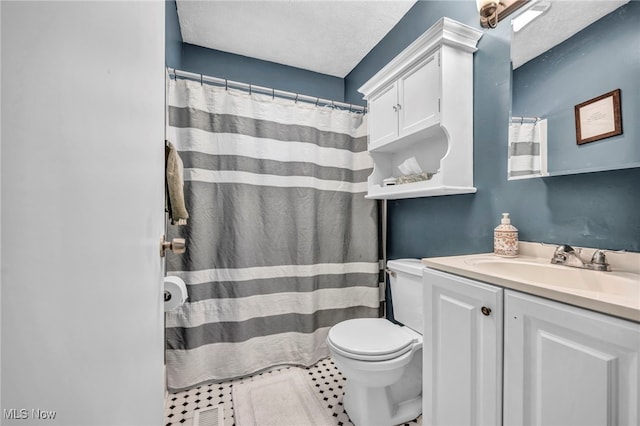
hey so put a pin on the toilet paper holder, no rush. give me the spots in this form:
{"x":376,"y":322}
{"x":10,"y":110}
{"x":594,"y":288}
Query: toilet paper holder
{"x":176,"y":245}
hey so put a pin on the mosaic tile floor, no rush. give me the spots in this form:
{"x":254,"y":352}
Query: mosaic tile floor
{"x":180,"y":407}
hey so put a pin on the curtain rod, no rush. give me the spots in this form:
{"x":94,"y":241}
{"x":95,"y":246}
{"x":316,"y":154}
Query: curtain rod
{"x":223,"y":82}
{"x":523,"y":119}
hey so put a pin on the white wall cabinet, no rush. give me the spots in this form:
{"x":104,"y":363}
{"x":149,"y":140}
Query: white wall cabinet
{"x":406,"y":106}
{"x":568,"y":366}
{"x":463,"y":351}
{"x":421,"y":106}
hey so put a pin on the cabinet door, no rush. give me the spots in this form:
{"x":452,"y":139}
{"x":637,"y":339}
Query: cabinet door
{"x":462,"y":351}
{"x":383,"y":117}
{"x":419,"y":96}
{"x":568,"y":366}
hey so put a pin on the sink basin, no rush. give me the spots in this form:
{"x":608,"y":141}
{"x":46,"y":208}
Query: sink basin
{"x":622,"y":284}
{"x":614,"y":293}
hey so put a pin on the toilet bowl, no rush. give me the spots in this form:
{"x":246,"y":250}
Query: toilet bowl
{"x":381,"y":360}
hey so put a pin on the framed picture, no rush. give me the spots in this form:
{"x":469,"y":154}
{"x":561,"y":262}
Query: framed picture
{"x":599,"y":118}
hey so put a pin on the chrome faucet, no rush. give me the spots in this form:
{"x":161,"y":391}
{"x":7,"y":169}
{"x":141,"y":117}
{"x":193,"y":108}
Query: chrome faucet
{"x":568,"y":256}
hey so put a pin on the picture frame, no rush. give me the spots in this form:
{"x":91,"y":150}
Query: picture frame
{"x":599,"y":118}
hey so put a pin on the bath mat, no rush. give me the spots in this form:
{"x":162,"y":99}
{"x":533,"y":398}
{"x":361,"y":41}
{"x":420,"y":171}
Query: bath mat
{"x":283,"y":398}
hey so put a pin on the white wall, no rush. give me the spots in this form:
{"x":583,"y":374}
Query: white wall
{"x":82,"y":211}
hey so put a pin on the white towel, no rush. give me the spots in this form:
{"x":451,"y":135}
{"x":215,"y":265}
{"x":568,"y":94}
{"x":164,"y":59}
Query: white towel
{"x":527,"y":150}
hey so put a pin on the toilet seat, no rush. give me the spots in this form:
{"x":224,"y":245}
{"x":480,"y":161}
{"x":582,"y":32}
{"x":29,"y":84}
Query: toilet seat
{"x":370,"y":339}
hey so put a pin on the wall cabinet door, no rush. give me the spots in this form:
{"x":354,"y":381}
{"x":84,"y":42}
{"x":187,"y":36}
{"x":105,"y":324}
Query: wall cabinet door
{"x":383,"y":117}
{"x":462,"y":351}
{"x":568,"y":366}
{"x":407,"y":105}
{"x":419,"y":97}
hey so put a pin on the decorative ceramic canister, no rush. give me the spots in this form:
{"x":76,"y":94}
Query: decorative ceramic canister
{"x":505,"y":238}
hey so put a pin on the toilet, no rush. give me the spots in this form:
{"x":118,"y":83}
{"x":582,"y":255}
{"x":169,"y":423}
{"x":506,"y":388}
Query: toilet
{"x":382,"y":361}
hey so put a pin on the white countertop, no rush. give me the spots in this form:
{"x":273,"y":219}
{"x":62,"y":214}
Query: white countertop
{"x":625,"y":304}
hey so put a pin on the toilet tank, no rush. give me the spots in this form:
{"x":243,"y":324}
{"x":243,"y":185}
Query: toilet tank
{"x":406,"y":285}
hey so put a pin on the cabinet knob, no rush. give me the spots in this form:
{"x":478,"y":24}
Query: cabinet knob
{"x":485,"y":311}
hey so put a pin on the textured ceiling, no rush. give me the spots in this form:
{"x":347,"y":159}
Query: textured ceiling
{"x":329,"y":37}
{"x":563,"y":19}
{"x":332,"y":36}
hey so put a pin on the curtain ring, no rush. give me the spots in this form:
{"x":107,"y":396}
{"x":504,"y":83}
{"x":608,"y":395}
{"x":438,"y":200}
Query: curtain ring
{"x":317,"y":100}
{"x":249,"y":89}
{"x":521,"y":120}
{"x":201,"y":80}
{"x":175,"y":75}
{"x":273,"y":94}
{"x":296,"y":100}
{"x":226,"y":84}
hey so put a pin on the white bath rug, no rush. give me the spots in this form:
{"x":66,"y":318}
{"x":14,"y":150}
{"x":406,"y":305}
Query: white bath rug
{"x":283,"y":398}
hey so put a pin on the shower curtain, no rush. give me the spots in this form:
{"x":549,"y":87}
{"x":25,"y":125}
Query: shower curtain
{"x":281,"y":243}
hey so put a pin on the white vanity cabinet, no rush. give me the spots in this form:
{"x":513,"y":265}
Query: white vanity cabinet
{"x":462,"y":356}
{"x":421,"y":108}
{"x":563,"y":365}
{"x":407,"y":105}
{"x":568,"y":366}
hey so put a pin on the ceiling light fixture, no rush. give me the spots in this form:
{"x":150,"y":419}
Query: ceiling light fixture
{"x":525,"y":18}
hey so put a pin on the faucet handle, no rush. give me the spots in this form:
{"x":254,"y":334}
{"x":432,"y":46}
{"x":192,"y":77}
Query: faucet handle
{"x":560,"y":254}
{"x":563,"y":248}
{"x":566,"y":248}
{"x":599,"y":261}
{"x":598,"y":257}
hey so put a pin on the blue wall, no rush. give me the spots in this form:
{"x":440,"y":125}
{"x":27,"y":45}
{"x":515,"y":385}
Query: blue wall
{"x":262,"y":73}
{"x":172,"y":36}
{"x":595,"y":209}
{"x":550,"y":85}
{"x":200,"y":60}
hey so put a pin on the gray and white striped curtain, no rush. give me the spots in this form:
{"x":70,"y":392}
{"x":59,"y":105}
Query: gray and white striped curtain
{"x":281,"y":243}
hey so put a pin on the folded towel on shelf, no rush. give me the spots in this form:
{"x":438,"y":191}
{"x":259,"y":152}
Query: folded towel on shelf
{"x":174,"y":182}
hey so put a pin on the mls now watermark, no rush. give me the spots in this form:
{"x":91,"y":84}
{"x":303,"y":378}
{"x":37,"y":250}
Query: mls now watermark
{"x":24,"y":414}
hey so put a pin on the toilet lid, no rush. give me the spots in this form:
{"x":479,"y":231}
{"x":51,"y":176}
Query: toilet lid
{"x":370,"y":337}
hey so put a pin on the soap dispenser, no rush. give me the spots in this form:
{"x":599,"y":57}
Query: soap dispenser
{"x":505,"y":238}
